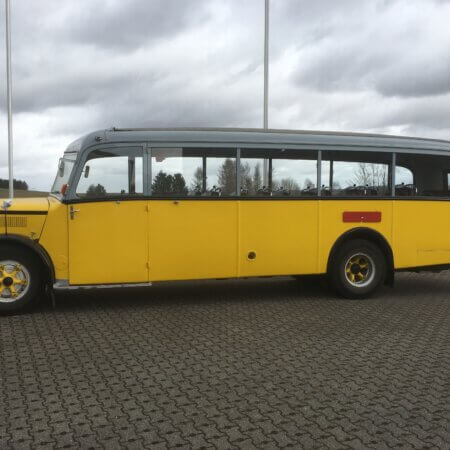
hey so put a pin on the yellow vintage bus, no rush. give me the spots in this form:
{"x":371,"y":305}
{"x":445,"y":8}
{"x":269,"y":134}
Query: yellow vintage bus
{"x":130,"y":207}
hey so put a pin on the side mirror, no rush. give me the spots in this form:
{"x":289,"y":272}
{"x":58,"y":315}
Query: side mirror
{"x":86,"y":171}
{"x":61,"y":168}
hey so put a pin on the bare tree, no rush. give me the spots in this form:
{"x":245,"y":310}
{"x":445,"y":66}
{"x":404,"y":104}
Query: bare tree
{"x":371,"y":174}
{"x":197,"y":182}
{"x":287,"y":184}
{"x":227,"y":177}
{"x":246,"y":178}
{"x":257,"y":181}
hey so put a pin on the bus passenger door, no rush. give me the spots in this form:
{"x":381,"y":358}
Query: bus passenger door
{"x":193,"y":220}
{"x":192,"y":239}
{"x":278,"y":237}
{"x":108,"y":234}
{"x":278,"y":231}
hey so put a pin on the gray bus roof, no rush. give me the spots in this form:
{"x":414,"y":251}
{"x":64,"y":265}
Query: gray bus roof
{"x":259,"y":137}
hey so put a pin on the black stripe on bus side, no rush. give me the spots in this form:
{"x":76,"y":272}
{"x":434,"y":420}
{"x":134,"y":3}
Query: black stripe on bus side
{"x":262,"y":198}
{"x":28,"y":213}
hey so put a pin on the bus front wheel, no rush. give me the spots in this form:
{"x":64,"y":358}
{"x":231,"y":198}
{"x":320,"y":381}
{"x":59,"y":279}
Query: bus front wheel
{"x":357,"y":269}
{"x":20,"y":278}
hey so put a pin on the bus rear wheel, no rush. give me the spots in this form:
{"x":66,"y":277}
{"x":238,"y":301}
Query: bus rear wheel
{"x":20,"y":278}
{"x":357,"y":269}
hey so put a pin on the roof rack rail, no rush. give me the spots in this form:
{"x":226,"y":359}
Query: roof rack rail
{"x":275,"y":130}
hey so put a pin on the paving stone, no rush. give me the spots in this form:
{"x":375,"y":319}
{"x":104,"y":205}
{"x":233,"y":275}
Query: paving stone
{"x":264,"y":363}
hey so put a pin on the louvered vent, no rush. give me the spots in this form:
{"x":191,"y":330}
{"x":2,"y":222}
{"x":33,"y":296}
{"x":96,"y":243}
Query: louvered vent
{"x":16,"y":221}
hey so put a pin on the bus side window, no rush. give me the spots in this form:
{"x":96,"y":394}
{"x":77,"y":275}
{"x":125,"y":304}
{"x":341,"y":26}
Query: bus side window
{"x":254,"y":173}
{"x":193,"y":172}
{"x":404,"y":182}
{"x":353,"y":174}
{"x":278,"y":172}
{"x":428,"y":175}
{"x":112,"y":173}
{"x":294,"y":172}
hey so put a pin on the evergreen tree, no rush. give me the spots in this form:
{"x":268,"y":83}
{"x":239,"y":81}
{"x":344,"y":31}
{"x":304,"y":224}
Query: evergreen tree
{"x":18,"y":184}
{"x":162,"y":184}
{"x":179,"y":184}
{"x":96,"y":191}
{"x":165,"y":183}
{"x":227,"y":177}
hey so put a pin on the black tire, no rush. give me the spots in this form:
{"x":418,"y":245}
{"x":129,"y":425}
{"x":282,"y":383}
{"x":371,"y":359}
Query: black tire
{"x":357,"y":269}
{"x":33,"y":267}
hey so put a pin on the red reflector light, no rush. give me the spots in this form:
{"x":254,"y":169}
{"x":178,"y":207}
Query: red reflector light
{"x":362,"y":216}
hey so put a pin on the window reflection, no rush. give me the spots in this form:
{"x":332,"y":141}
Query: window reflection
{"x":421,"y":175}
{"x":278,"y":173}
{"x":193,"y":172}
{"x":111,"y":174}
{"x":350,"y":174}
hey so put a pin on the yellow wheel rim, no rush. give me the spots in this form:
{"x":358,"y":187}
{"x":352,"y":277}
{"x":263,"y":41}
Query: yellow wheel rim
{"x":14,"y":281}
{"x":359,"y":270}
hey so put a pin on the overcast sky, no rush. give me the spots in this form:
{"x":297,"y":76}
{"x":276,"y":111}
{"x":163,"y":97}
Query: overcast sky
{"x":353,"y":65}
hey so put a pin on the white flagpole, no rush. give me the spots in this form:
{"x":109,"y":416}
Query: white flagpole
{"x":266,"y":66}
{"x":266,"y":87}
{"x":9,"y":97}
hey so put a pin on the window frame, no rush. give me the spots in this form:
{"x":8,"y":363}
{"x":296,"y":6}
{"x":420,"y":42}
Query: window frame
{"x":394,"y":177}
{"x":77,"y":173}
{"x":197,"y":146}
{"x":414,"y":171}
{"x":319,"y":150}
{"x":238,"y":150}
{"x":272,"y":155}
{"x":391,"y":165}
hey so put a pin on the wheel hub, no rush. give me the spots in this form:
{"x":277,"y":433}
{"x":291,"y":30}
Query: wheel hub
{"x":7,"y":281}
{"x":14,"y":281}
{"x":359,"y":270}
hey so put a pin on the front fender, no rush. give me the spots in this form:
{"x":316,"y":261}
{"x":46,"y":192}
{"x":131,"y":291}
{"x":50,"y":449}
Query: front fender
{"x":33,"y":246}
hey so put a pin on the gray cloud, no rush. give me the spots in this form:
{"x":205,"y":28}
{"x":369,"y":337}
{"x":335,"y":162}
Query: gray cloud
{"x":393,"y":48}
{"x":134,"y":23}
{"x":112,"y":24}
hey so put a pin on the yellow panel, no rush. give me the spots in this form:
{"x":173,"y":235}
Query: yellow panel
{"x":421,"y":233}
{"x":2,"y":223}
{"x":29,"y":204}
{"x":54,"y":238}
{"x":108,"y":242}
{"x":192,"y":239}
{"x":28,"y":225}
{"x":282,"y":234}
{"x":332,"y":225}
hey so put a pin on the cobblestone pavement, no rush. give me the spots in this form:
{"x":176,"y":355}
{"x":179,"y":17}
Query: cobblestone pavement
{"x":267,"y":363}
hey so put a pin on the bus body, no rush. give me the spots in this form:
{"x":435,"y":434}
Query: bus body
{"x":131,"y":207}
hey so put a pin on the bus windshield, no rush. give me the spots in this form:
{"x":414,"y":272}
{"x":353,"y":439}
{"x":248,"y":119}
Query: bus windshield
{"x":65,"y":167}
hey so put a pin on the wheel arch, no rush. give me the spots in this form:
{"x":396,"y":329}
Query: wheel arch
{"x":370,"y":235}
{"x":34,"y":247}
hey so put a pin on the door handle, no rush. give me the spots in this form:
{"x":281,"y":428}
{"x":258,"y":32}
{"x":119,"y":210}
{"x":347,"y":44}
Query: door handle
{"x":72,"y":212}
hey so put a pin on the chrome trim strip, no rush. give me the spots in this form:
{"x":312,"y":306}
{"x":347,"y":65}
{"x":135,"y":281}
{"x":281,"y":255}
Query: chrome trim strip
{"x":63,"y":285}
